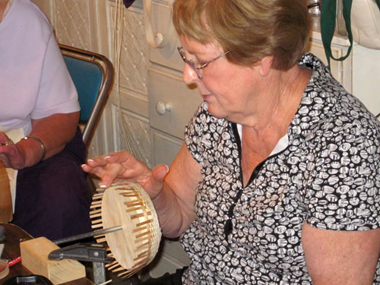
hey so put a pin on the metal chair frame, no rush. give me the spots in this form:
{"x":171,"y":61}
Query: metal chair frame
{"x":105,"y":69}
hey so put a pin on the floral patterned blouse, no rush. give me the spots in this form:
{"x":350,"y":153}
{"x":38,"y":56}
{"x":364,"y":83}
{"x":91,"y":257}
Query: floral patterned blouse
{"x":325,"y":171}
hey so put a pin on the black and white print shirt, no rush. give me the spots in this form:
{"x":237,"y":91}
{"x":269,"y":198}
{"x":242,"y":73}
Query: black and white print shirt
{"x":327,"y":174}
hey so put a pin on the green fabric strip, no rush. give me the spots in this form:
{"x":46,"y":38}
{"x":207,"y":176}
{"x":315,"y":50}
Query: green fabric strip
{"x":378,"y":3}
{"x":328,"y":18}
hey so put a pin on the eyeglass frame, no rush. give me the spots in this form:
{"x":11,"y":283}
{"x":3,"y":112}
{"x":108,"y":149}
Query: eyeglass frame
{"x":192,"y":64}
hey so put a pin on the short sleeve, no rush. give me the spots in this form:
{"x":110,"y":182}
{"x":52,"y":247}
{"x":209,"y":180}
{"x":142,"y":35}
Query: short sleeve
{"x":344,"y":194}
{"x":194,"y":132}
{"x":57,"y":93}
{"x":202,"y":133}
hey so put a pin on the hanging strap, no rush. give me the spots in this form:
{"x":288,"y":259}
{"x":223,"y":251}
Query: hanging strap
{"x":157,"y":40}
{"x":328,"y":18}
{"x":378,"y":3}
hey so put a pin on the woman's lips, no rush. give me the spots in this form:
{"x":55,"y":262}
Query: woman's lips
{"x":206,"y":96}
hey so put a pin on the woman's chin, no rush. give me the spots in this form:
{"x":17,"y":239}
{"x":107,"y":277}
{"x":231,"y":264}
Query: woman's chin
{"x":216,"y":112}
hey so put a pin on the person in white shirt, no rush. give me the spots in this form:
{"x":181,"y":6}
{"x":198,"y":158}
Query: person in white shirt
{"x":39,"y":134}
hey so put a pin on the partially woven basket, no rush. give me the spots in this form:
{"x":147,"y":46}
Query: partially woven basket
{"x":136,"y":244}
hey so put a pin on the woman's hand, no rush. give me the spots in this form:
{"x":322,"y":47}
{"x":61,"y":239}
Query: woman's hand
{"x":122,"y":166}
{"x":172,"y":193}
{"x":11,"y":155}
{"x":28,"y":152}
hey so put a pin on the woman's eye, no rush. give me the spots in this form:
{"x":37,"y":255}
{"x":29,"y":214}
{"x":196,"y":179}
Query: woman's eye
{"x":201,"y":62}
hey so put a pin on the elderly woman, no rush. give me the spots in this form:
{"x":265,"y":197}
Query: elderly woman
{"x":278,"y":181}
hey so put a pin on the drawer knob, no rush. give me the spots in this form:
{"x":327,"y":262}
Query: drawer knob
{"x":162,"y":107}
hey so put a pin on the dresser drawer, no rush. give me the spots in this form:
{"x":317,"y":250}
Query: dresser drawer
{"x":164,"y":147}
{"x":160,"y":22}
{"x":171,"y":102}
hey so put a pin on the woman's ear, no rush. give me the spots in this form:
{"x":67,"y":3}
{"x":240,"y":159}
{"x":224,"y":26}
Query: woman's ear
{"x":265,"y":65}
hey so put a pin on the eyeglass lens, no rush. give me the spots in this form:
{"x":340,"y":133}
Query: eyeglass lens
{"x":190,"y":62}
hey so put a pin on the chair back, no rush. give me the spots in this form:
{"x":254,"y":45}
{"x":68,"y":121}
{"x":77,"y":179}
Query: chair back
{"x":93,"y":76}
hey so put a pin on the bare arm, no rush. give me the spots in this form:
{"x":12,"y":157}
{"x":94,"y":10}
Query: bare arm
{"x":175,"y":203}
{"x":341,"y":257}
{"x":54,"y":131}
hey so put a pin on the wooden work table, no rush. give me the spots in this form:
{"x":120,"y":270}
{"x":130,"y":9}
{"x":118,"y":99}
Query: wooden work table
{"x":13,"y":236}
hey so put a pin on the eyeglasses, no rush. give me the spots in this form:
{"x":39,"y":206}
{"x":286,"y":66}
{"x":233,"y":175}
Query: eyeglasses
{"x":195,"y":65}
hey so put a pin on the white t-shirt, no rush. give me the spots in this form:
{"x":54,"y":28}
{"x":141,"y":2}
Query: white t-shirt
{"x":34,"y":80}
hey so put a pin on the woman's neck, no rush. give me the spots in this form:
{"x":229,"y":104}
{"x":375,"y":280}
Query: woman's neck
{"x":274,"y":118}
{"x":280,"y":97}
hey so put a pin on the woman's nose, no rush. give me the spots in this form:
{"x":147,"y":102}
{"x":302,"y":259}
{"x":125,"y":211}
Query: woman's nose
{"x":189,"y":74}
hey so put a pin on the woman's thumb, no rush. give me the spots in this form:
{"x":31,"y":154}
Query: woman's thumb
{"x":160,"y":171}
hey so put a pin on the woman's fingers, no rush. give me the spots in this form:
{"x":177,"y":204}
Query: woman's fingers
{"x":95,"y":165}
{"x":107,"y":173}
{"x":111,"y":173}
{"x":159,"y":172}
{"x":104,"y":160}
{"x":121,"y":166}
{"x":110,"y":167}
{"x":156,"y":180}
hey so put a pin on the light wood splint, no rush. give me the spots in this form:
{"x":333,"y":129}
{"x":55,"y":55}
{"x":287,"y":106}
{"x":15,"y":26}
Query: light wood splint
{"x":129,"y":206}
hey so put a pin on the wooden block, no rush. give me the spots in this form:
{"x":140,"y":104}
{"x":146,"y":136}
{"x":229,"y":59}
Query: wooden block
{"x":34,"y":256}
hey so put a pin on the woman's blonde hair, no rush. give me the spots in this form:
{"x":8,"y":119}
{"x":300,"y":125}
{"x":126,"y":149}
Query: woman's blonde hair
{"x":251,"y":29}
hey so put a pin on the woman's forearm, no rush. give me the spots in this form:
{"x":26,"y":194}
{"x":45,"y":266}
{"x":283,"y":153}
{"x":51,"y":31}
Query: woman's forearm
{"x":174,"y":214}
{"x":49,"y":136}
